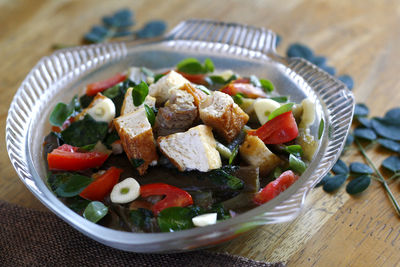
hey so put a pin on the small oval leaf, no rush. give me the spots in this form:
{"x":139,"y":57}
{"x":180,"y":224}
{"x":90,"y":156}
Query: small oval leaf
{"x":386,"y":129}
{"x":347,"y":80}
{"x":358,"y":167}
{"x":392,"y":163}
{"x":393,"y":116}
{"x":364,"y":122}
{"x":333,"y":184}
{"x":389,"y":144}
{"x":361,"y":110}
{"x":364,"y":133}
{"x":323,"y":180}
{"x":340,"y":167}
{"x":358,"y":184}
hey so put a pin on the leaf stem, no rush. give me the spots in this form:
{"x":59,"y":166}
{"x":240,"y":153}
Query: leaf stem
{"x":394,"y":176}
{"x":381,"y":178}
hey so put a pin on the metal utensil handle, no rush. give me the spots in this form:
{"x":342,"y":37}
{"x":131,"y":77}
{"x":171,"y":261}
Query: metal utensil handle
{"x":232,"y":34}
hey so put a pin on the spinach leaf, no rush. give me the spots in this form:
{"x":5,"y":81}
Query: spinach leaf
{"x":223,"y":176}
{"x":267,"y":85}
{"x":139,"y":93}
{"x":150,"y":114}
{"x":95,"y":211}
{"x":85,"y":100}
{"x":279,"y":111}
{"x":280,"y":99}
{"x":175,"y":219}
{"x":85,"y":132}
{"x":111,"y":138}
{"x":72,"y":185}
{"x":222,"y":213}
{"x":77,"y":204}
{"x":193,"y":66}
{"x":296,"y":164}
{"x":141,"y":218}
{"x":55,"y":179}
{"x":238,"y":98}
{"x":62,"y":111}
{"x":117,"y":94}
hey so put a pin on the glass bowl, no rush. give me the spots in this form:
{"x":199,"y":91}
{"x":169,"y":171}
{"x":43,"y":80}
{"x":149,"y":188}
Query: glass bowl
{"x":243,"y":49}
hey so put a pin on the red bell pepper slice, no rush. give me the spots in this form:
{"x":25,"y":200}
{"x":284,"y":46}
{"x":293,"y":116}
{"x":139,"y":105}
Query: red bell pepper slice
{"x":174,"y":196}
{"x":246,"y":89}
{"x":194,"y":78}
{"x":67,"y":158}
{"x":97,"y":87}
{"x":280,"y":129}
{"x":275,"y":187}
{"x":102,"y":186}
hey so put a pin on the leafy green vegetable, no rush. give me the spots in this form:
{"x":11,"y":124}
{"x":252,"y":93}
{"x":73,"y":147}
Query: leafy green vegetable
{"x":392,"y":163}
{"x":85,"y":100}
{"x":233,"y":154}
{"x":139,"y":93}
{"x":147,"y":72}
{"x":55,"y":179}
{"x":321,"y":128}
{"x":223,"y":176}
{"x":340,"y":167}
{"x":223,"y":150}
{"x":386,"y":128}
{"x":158,"y":76}
{"x":77,"y":204}
{"x":296,"y":164}
{"x":193,"y":66}
{"x":175,"y":219}
{"x":217,"y":79}
{"x":117,"y":94}
{"x":61,"y":111}
{"x":255,"y":81}
{"x":141,"y":218}
{"x":85,"y":132}
{"x":112,"y":91}
{"x":95,"y":211}
{"x":222,"y":213}
{"x":357,"y":167}
{"x":87,"y":147}
{"x":280,"y":99}
{"x":358,"y":185}
{"x":279,"y":111}
{"x":268,"y":86}
{"x":364,"y":133}
{"x":136,"y":163}
{"x":72,"y":185}
{"x":238,"y":98}
{"x":332,"y":184}
{"x":150,"y":114}
{"x":296,"y":150}
{"x":111,"y":138}
{"x":361,"y":110}
{"x":389,"y":144}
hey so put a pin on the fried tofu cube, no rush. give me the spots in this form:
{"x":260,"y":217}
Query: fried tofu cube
{"x":255,"y":153}
{"x":160,"y":89}
{"x":223,"y":115}
{"x":194,"y":149}
{"x":137,"y":138}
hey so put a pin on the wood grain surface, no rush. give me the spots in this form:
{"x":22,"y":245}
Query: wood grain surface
{"x":360,"y":38}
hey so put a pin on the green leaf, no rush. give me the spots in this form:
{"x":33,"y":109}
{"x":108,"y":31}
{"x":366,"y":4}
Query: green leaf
{"x":279,"y":111}
{"x":111,"y":138}
{"x":389,"y":144}
{"x":268,"y":86}
{"x":139,"y":93}
{"x":85,"y":132}
{"x":255,"y":81}
{"x":321,"y":128}
{"x":73,"y":185}
{"x":141,"y":218}
{"x":364,"y":133}
{"x":367,"y":123}
{"x":112,"y":91}
{"x":217,"y":79}
{"x":392,"y":163}
{"x":222,"y":213}
{"x":233,"y":154}
{"x":158,"y":76}
{"x":277,"y":172}
{"x":296,"y":164}
{"x":77,"y":204}
{"x":361,"y":110}
{"x":85,"y":100}
{"x":334,"y":183}
{"x":386,"y":129}
{"x":204,"y":89}
{"x":238,"y":98}
{"x":190,"y":66}
{"x":349,"y":139}
{"x":208,"y":65}
{"x":137,"y":162}
{"x":393,"y":116}
{"x":294,"y":149}
{"x":280,"y":99}
{"x":175,"y":219}
{"x":340,"y":167}
{"x":55,"y":179}
{"x":150,"y":114}
{"x":358,"y":184}
{"x":223,"y":150}
{"x":224,"y":177}
{"x":59,"y":114}
{"x":361,"y":168}
{"x":147,"y":72}
{"x":95,"y":211}
{"x":324,"y":180}
{"x":87,"y":148}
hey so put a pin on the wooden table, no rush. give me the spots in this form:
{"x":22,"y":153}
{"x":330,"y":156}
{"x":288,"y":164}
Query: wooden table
{"x":362,"y":38}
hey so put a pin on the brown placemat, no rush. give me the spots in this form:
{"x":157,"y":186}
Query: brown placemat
{"x":36,"y":238}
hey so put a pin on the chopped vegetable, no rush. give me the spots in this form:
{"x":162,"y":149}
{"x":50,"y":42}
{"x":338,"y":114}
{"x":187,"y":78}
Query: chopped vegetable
{"x":97,"y":87}
{"x":280,"y":129}
{"x":205,"y":219}
{"x":247,"y":89}
{"x":95,"y":211}
{"x":276,"y":187}
{"x":68,"y":158}
{"x":174,"y":196}
{"x":102,"y":186}
{"x":126,"y":191}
